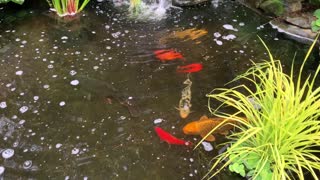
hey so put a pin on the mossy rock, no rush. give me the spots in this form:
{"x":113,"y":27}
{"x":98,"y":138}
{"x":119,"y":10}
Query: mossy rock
{"x":273,"y":7}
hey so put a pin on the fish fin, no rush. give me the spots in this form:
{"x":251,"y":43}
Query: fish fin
{"x":204,"y":117}
{"x":208,"y":138}
{"x":224,"y":133}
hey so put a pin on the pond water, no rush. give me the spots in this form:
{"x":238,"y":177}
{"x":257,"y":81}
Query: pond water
{"x":79,"y":97}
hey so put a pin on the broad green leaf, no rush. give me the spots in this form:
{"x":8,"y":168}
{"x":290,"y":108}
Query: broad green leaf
{"x":314,"y":27}
{"x":252,"y":160}
{"x":318,"y":22}
{"x":238,"y":168}
{"x":317,"y":13}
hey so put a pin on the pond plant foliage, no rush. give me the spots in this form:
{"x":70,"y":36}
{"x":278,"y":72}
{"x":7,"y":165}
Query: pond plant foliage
{"x":15,"y":1}
{"x":280,"y":137}
{"x":135,"y":6}
{"x":67,"y":7}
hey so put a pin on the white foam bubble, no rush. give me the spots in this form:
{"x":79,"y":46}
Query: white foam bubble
{"x":229,"y":27}
{"x":8,"y":153}
{"x":36,"y":98}
{"x":216,"y":34}
{"x":157,"y":121}
{"x":46,"y":86}
{"x":3,"y":104}
{"x":75,"y":151}
{"x":62,"y":103}
{"x":219,"y":42}
{"x":74,"y":82}
{"x":23,"y":109}
{"x":229,"y":37}
{"x":73,"y":72}
{"x":19,"y":73}
{"x":58,"y":145}
{"x":22,"y":121}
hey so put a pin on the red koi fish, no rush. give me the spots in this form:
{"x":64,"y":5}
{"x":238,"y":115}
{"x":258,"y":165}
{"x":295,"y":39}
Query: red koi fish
{"x":167,"y":137}
{"x":191,"y":68}
{"x":167,"y":55}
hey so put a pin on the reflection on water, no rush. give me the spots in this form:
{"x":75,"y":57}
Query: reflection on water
{"x":79,"y":98}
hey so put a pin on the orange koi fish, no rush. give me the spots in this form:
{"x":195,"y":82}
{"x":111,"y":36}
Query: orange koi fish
{"x":167,"y":137}
{"x":186,"y":35}
{"x":204,"y":125}
{"x":168,"y":55}
{"x":191,"y":68}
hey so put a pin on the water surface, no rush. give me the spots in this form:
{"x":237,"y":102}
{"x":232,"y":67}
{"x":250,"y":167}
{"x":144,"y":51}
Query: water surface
{"x":80,"y":96}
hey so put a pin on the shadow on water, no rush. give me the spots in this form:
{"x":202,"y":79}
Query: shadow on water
{"x":79,"y":97}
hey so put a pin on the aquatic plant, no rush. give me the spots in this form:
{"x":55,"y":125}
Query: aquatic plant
{"x":67,"y":7}
{"x":315,"y":25}
{"x":15,"y":1}
{"x":281,"y":137}
{"x":135,"y":6}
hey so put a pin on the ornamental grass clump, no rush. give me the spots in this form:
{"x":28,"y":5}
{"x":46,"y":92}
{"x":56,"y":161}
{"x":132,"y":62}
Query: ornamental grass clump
{"x":280,"y":136}
{"x":67,"y":7}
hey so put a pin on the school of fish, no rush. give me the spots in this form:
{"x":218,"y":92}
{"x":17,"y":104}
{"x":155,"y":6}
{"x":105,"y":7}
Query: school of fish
{"x":204,"y":125}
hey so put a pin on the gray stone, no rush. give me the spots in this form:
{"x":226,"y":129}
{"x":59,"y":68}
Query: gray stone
{"x":301,"y":20}
{"x":292,"y":6}
{"x":188,"y":2}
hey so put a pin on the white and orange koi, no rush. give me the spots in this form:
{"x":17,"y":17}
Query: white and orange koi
{"x":185,"y":101}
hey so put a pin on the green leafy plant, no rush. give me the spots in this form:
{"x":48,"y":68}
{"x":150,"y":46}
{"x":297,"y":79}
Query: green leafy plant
{"x":67,"y":7}
{"x":315,"y":25}
{"x":281,"y":139}
{"x":15,"y":1}
{"x":135,"y":6}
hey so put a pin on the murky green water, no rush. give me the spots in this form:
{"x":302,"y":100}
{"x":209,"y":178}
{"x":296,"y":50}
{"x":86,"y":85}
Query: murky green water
{"x":79,"y":97}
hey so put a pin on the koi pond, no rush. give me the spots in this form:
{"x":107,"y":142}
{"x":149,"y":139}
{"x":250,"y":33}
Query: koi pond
{"x":80,"y":97}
